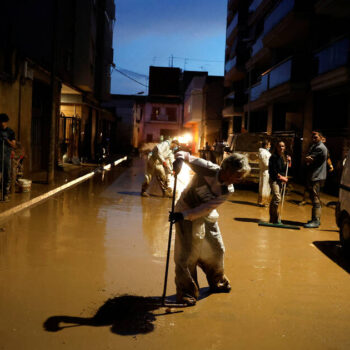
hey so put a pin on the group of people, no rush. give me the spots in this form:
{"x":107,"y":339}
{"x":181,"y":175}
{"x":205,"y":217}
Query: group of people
{"x":198,"y":240}
{"x":273,"y":175}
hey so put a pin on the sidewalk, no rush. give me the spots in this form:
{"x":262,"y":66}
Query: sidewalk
{"x":69,"y":176}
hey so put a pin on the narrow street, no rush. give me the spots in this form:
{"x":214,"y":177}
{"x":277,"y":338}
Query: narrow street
{"x":62,"y":260}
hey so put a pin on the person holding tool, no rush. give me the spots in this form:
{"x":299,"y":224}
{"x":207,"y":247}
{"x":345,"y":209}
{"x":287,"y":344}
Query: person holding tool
{"x":278,"y":166}
{"x":7,"y":143}
{"x":160,"y":164}
{"x":198,"y":239}
{"x":316,"y":165}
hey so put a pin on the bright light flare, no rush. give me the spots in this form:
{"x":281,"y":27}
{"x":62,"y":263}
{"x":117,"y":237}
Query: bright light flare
{"x":183,"y":179}
{"x":185,"y":139}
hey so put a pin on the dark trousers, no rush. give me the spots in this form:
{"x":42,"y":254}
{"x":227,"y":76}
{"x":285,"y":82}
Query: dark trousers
{"x":5,"y":175}
{"x":314,"y":189}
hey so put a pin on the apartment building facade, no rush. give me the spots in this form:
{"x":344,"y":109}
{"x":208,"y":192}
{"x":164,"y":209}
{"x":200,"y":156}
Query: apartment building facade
{"x":287,"y":70}
{"x":55,"y":59}
{"x":203,"y":103}
{"x":164,"y":105}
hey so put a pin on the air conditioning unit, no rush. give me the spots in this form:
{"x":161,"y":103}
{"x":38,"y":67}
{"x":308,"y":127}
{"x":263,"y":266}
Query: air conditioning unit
{"x":28,"y":72}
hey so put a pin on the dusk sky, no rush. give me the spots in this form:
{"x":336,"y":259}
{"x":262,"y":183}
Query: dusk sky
{"x":148,"y":32}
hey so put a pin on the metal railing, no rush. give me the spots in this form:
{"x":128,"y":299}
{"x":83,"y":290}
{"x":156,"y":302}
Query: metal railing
{"x":257,"y":46}
{"x":333,"y":56}
{"x":254,"y":5}
{"x":276,"y":15}
{"x":259,"y":88}
{"x":277,"y":75}
{"x":280,"y":74}
{"x":230,"y":64}
{"x":232,"y":25}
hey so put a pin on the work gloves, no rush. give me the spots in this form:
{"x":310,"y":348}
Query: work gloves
{"x":177,"y":165}
{"x":175,"y":217}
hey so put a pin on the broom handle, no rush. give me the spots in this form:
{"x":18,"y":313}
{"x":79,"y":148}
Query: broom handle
{"x":169,"y":244}
{"x":283,"y":194}
{"x":2,"y":170}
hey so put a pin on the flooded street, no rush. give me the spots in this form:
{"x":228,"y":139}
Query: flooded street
{"x":62,"y":260}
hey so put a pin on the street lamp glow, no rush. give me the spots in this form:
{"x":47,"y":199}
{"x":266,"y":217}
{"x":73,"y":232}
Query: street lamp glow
{"x":185,"y":139}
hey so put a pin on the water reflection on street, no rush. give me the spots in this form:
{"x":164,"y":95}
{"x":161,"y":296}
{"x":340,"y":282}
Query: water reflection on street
{"x":101,"y":239}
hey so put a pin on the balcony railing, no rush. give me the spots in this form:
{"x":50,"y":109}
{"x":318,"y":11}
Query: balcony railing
{"x":334,"y":56}
{"x":162,"y":118}
{"x":281,"y":11}
{"x":230,"y":64}
{"x":232,"y":25}
{"x":254,"y":5}
{"x":257,"y":46}
{"x":280,"y":74}
{"x":259,"y":88}
{"x":276,"y":76}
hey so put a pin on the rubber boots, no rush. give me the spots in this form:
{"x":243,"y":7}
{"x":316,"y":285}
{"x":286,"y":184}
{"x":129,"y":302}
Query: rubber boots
{"x":315,"y":221}
{"x":273,"y":214}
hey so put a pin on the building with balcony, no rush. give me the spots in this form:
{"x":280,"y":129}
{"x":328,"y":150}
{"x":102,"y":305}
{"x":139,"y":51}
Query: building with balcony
{"x":164,"y":105}
{"x":55,"y":59}
{"x":296,"y":77}
{"x":203,"y":103}
{"x":236,"y":56}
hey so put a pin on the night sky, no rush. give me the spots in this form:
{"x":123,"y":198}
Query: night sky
{"x":148,"y":32}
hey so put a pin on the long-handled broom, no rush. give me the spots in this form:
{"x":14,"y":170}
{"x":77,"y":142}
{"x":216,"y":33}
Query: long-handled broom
{"x":279,"y":223}
{"x":2,"y":171}
{"x":163,"y":303}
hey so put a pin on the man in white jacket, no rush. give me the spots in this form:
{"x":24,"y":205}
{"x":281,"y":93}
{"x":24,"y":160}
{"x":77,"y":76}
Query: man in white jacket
{"x":198,"y":239}
{"x":159,"y":164}
{"x":264,"y":185}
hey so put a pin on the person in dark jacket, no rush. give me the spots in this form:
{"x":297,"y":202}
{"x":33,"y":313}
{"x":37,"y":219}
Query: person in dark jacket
{"x":7,"y":143}
{"x":316,"y":163}
{"x":277,"y":170}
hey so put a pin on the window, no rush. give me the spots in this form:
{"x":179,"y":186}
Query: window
{"x":149,"y":138}
{"x":168,"y":133}
{"x":155,"y":113}
{"x":171,"y":113}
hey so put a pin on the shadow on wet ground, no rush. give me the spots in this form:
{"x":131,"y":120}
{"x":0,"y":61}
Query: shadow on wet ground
{"x":256,"y":221}
{"x":130,"y":193}
{"x":298,"y":202}
{"x":244,"y":203}
{"x":252,"y":220}
{"x":126,"y":314}
{"x":334,"y":251}
{"x":295,"y":223}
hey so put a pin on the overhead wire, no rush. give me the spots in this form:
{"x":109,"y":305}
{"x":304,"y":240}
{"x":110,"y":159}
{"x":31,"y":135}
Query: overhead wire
{"x":126,"y":75}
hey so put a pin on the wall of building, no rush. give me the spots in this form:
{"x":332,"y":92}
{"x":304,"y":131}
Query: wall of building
{"x":159,"y":128}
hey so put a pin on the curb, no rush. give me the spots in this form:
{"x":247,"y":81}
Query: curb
{"x":48,"y":194}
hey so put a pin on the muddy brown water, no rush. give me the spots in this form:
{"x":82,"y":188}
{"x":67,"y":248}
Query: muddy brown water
{"x":79,"y":271}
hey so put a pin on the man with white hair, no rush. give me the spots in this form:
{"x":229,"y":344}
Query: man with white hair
{"x":198,"y":239}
